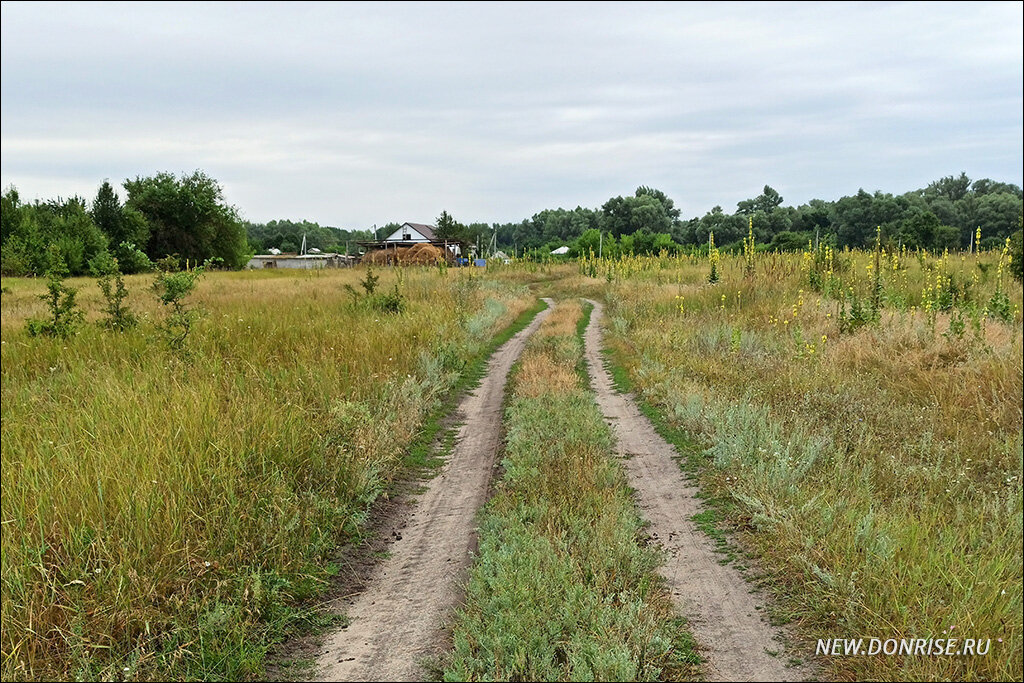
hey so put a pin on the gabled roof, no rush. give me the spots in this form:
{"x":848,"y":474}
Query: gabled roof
{"x":423,"y":229}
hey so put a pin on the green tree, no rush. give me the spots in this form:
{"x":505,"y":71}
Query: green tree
{"x":626,"y":215}
{"x":118,"y":222}
{"x":953,"y":188}
{"x":767,"y":201}
{"x":788,"y":240}
{"x":450,"y":229}
{"x":997,"y":214}
{"x":189,"y":217}
{"x":670,"y":206}
{"x":447,"y":227}
{"x":65,"y":224}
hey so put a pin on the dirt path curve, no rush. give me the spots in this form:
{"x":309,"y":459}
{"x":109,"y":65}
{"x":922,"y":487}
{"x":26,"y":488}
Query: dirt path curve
{"x":399,"y":621}
{"x":722,"y":612}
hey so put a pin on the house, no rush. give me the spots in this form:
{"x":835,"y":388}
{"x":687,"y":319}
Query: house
{"x":560,"y":251}
{"x":408,"y":245}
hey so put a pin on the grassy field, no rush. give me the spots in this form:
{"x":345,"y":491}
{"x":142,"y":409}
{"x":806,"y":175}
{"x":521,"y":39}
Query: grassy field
{"x":165,"y":511}
{"x":563,"y":587}
{"x":874,"y":467}
{"x":855,"y":417}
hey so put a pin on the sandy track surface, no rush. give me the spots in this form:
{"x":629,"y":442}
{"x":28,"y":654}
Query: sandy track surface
{"x":722,"y":611}
{"x":399,"y":621}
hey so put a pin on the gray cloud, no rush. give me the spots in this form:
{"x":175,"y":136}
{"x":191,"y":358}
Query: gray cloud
{"x":357,"y":114}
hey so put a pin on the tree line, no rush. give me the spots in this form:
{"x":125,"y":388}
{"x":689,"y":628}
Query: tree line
{"x":188,"y":218}
{"x":946,"y":214}
{"x":185,"y":218}
{"x":287,"y":235}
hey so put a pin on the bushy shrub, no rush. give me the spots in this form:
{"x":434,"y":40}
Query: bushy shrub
{"x":108,"y":278}
{"x":132,"y":260}
{"x":65,"y":315}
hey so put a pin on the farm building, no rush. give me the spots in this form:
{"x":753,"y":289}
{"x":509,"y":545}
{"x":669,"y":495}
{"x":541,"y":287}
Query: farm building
{"x":304,"y":261}
{"x":411,"y":244}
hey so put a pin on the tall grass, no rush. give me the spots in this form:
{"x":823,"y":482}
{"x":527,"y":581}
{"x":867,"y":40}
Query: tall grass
{"x":876,"y":472}
{"x":563,"y":587}
{"x":163,"y":512}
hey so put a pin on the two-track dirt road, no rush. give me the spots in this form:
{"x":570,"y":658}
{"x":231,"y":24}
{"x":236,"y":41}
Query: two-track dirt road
{"x":399,"y":621}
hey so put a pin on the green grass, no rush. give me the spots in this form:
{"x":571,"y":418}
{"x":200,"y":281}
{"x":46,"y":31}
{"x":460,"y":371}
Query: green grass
{"x":563,"y":587}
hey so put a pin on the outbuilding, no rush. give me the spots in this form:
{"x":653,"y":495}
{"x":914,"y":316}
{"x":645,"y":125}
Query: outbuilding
{"x":301,"y":261}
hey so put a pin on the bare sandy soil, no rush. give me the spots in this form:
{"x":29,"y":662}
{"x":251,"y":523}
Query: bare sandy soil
{"x":723,"y":612}
{"x":399,"y":622}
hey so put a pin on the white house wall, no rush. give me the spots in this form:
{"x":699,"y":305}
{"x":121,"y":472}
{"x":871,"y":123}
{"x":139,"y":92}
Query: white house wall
{"x":398,"y":235}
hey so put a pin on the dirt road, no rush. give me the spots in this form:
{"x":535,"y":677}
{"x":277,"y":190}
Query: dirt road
{"x":722,"y":611}
{"x":399,"y":621}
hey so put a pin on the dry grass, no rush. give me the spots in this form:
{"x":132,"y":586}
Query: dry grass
{"x":553,"y":371}
{"x":160,"y":510}
{"x":876,"y":473}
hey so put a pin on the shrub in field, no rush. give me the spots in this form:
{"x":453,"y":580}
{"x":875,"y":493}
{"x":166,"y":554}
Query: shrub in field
{"x":383,"y":302}
{"x":64,"y":314}
{"x":388,"y":302}
{"x":171,"y":290}
{"x":999,"y":305}
{"x":370,"y":282}
{"x":107,"y":271}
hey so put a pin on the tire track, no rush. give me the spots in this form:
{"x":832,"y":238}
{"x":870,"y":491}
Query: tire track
{"x":399,"y":621}
{"x":724,"y":615}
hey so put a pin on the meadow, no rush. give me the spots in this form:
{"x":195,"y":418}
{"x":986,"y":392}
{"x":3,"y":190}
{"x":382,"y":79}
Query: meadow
{"x":853,"y":418}
{"x":167,"y":511}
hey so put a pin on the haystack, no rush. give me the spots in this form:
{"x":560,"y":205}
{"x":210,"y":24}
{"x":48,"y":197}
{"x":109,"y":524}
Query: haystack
{"x":416,"y":255}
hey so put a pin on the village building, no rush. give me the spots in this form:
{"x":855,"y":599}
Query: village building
{"x":411,"y":244}
{"x":309,"y":261}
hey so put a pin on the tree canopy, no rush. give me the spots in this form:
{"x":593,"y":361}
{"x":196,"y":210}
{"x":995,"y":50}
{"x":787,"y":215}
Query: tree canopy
{"x":188,"y":216}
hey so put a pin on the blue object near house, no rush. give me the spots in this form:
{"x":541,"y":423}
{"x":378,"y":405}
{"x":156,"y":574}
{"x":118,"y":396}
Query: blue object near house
{"x":480,"y":262}
{"x":461,"y":261}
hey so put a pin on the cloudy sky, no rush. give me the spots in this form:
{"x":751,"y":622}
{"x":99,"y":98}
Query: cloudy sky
{"x":354,"y":114}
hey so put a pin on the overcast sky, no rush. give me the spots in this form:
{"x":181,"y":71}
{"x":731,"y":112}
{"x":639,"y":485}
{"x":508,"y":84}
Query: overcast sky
{"x":354,"y":114}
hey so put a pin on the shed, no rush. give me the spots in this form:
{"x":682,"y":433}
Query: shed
{"x":301,"y":261}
